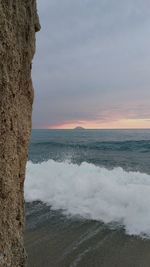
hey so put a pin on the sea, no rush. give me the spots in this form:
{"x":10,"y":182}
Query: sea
{"x":87,"y":196}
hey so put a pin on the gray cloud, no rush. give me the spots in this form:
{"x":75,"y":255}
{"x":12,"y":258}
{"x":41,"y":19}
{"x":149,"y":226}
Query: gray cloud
{"x":92,"y":61}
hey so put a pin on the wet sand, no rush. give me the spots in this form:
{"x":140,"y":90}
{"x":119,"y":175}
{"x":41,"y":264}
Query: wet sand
{"x":83,"y":244}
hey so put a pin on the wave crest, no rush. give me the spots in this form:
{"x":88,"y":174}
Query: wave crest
{"x":92,"y":192}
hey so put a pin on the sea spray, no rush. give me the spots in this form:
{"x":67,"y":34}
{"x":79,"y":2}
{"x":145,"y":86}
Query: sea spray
{"x":92,"y":192}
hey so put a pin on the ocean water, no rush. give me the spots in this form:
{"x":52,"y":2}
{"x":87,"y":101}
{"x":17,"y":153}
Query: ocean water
{"x":88,"y":189}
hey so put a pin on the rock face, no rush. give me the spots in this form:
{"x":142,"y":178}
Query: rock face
{"x":18,"y":24}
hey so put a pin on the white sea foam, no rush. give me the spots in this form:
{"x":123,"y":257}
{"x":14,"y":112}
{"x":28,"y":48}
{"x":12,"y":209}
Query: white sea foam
{"x":92,"y":192}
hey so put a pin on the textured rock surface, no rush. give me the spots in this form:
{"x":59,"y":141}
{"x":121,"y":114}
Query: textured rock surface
{"x":18,"y":24}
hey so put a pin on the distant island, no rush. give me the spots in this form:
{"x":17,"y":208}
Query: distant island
{"x":79,"y":128}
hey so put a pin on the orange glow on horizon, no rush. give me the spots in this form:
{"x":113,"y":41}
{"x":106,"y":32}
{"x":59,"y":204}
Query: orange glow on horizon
{"x":117,"y":124}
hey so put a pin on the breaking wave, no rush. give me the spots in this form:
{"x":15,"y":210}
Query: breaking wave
{"x":91,"y":192}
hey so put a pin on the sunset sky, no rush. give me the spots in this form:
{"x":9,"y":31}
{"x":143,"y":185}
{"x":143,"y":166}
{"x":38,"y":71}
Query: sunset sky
{"x":92,"y":64}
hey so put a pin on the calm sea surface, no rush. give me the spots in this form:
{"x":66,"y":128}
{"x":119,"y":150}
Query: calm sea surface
{"x":129,"y":149}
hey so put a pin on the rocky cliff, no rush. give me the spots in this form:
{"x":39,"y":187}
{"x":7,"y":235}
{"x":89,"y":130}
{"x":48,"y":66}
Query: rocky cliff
{"x":18,"y":24}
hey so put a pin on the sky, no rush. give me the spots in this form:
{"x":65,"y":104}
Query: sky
{"x":92,"y":64}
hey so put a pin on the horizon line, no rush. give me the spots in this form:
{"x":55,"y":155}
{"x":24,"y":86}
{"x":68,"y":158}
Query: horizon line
{"x":91,"y":128}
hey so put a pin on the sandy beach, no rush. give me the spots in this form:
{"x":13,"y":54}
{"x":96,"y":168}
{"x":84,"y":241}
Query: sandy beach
{"x":82,"y":243}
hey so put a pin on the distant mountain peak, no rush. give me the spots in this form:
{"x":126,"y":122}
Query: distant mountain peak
{"x":79,"y":128}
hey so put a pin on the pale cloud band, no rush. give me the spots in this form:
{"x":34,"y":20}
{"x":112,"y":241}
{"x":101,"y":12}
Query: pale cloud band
{"x":92,"y":64}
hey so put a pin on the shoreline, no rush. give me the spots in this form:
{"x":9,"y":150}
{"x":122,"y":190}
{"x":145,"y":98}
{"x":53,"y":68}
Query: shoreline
{"x":59,"y":241}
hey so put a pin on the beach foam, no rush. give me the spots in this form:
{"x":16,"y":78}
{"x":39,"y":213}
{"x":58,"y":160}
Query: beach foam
{"x":92,"y":192}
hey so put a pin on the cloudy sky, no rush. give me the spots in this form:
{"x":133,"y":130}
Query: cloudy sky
{"x":92,"y":64}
